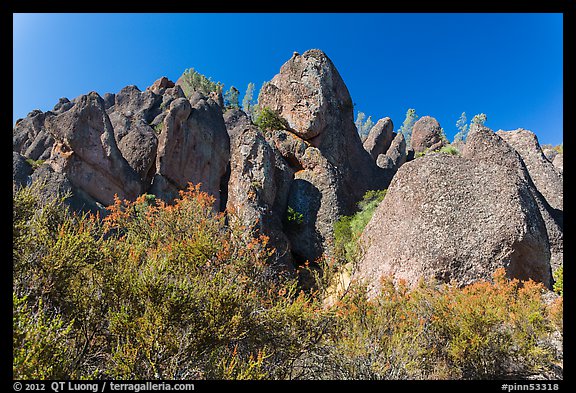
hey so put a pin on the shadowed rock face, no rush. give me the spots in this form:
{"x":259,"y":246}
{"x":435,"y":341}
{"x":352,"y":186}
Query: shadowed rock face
{"x":21,"y":170}
{"x":458,"y":219}
{"x":546,"y":178}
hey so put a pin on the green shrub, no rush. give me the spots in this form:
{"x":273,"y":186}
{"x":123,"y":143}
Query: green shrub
{"x":193,"y":81}
{"x":268,"y":120}
{"x":34,"y":163}
{"x":40,"y":342}
{"x":449,"y":149}
{"x":559,"y":281}
{"x":347,"y":229}
{"x":157,"y":291}
{"x":293,"y":217}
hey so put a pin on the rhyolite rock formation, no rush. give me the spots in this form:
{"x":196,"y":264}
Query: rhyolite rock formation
{"x":257,"y":188}
{"x":322,"y":146}
{"x":426,"y":135}
{"x":379,"y":138}
{"x":458,"y":219}
{"x":455,"y":218}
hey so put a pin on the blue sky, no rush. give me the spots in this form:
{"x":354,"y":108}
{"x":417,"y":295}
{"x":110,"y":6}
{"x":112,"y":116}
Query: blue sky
{"x":508,"y":66}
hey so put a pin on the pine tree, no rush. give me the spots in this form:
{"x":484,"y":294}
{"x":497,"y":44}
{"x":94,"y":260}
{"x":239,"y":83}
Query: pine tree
{"x":408,"y":124}
{"x":248,"y":100}
{"x":479,"y":119}
{"x":231,"y":98}
{"x":462,"y":128}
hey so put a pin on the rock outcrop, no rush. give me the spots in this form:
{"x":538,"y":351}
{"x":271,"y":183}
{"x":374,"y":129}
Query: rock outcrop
{"x":21,"y":170}
{"x":258,"y":190}
{"x":193,"y":147}
{"x":546,"y":178}
{"x":86,"y":152}
{"x":455,"y":218}
{"x":426,"y":135}
{"x":30,"y":137}
{"x":322,"y":146}
{"x":458,"y":219}
{"x":395,"y":155}
{"x":379,"y":138}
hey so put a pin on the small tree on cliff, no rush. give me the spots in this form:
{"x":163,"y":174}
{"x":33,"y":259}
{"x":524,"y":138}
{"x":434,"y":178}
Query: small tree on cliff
{"x":462,"y":127}
{"x":408,"y":124}
{"x":248,"y":104}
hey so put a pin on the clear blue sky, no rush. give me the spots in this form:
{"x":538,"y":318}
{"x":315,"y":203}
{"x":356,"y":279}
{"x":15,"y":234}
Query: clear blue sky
{"x":508,"y":66}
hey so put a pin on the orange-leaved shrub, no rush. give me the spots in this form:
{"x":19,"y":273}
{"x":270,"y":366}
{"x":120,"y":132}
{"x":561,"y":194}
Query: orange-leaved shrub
{"x":487,"y":330}
{"x":177,"y":291}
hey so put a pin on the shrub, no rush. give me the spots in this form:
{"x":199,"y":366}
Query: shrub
{"x":293,"y":217}
{"x":482,"y":331}
{"x":156,"y":291}
{"x":193,"y":81}
{"x":268,"y":120}
{"x":39,"y":342}
{"x":449,"y":149}
{"x":34,"y":163}
{"x":559,"y":281}
{"x":347,"y":229}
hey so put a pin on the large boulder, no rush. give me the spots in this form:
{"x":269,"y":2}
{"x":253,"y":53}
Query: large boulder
{"x":85,"y":151}
{"x":379,"y":138}
{"x":311,"y":96}
{"x":193,"y":147}
{"x":483,"y":144}
{"x":458,"y":219}
{"x":426,"y":135}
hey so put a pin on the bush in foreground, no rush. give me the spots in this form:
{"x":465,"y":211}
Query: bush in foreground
{"x":156,"y":291}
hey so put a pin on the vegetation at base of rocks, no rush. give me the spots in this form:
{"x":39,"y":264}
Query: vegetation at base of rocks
{"x":347,"y":229}
{"x":195,"y":81}
{"x":559,"y":281}
{"x":34,"y":163}
{"x":363,"y":126}
{"x":449,"y":149}
{"x":293,"y":217}
{"x":268,"y":120}
{"x":152,"y":291}
{"x":157,"y":291}
{"x":487,"y":330}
